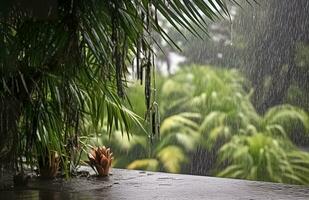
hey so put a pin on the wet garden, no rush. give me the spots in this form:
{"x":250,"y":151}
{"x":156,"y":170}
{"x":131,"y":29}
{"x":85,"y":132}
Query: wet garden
{"x":159,"y":99}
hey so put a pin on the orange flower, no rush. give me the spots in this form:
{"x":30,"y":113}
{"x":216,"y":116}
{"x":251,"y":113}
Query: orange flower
{"x":100,"y":158}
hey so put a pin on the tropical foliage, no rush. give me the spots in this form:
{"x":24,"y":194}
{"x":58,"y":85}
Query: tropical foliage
{"x":63,"y":90}
{"x":59,"y":68}
{"x":207,"y":108}
{"x":264,"y":158}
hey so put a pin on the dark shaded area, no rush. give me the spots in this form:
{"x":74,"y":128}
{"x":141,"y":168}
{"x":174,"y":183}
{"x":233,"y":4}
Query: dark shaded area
{"x":33,"y":9}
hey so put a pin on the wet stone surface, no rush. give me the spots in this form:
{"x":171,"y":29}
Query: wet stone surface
{"x":140,"y":185}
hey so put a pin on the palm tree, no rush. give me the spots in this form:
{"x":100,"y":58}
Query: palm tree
{"x":58,"y":69}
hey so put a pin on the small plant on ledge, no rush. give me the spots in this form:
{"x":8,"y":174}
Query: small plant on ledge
{"x":100,"y":160}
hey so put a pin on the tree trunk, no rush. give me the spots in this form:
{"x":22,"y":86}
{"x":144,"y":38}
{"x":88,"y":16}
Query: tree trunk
{"x":273,"y":51}
{"x":9,"y":117}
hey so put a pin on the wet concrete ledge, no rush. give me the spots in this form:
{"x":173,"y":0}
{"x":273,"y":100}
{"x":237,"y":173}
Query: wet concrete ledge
{"x":141,"y":185}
